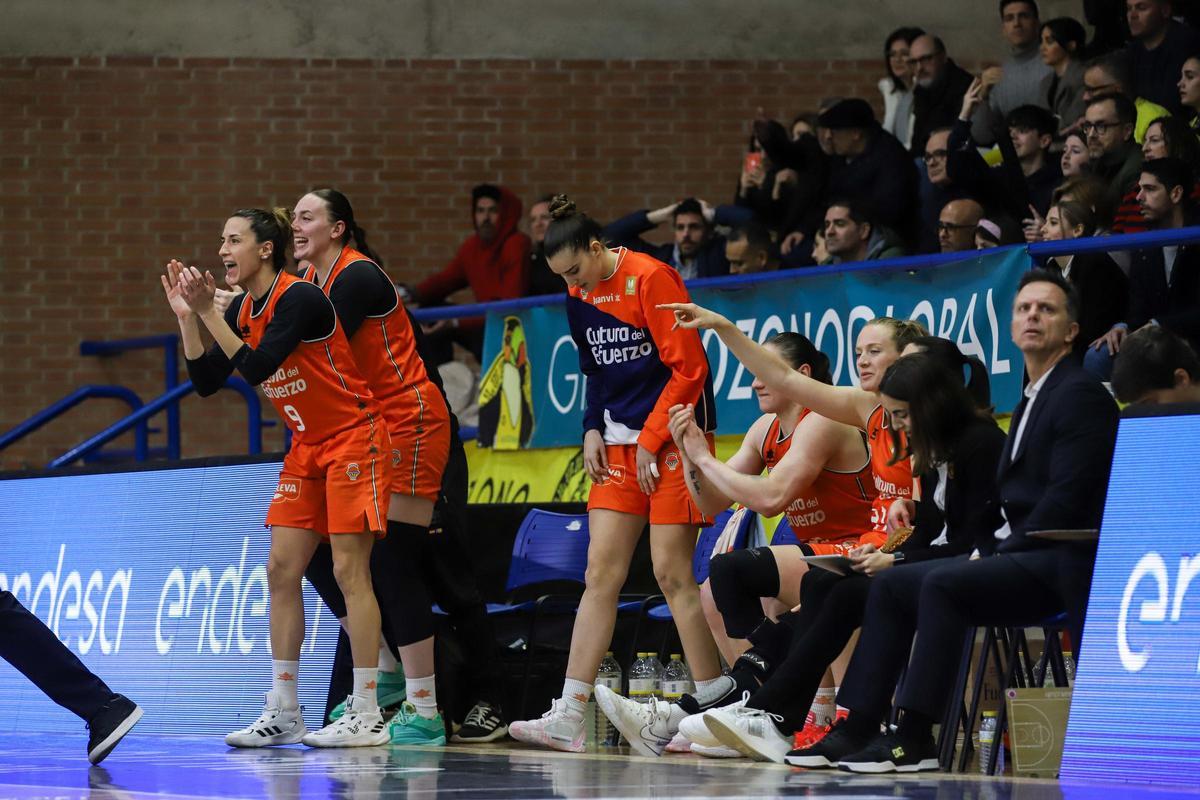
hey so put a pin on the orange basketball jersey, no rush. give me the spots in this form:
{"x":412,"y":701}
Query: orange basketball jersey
{"x":385,"y":350}
{"x":891,"y":480}
{"x":317,"y":389}
{"x":836,"y":506}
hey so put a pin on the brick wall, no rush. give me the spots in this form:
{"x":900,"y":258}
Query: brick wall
{"x":111,"y":166}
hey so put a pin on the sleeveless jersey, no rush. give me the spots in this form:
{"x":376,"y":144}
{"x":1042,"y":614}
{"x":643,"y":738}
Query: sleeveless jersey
{"x":891,"y":480}
{"x":836,"y":506}
{"x":317,"y":389}
{"x":385,"y":350}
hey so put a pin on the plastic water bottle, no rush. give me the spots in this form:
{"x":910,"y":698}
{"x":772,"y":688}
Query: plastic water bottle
{"x":642,"y":679}
{"x":987,"y":740}
{"x":609,"y":676}
{"x":657,"y":669}
{"x":591,"y":724}
{"x":677,"y":681}
{"x":1069,"y":666}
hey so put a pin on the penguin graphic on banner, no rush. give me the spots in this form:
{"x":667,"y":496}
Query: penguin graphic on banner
{"x":506,"y":394}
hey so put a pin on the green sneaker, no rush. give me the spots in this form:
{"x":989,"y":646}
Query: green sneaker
{"x":389,"y":691}
{"x":409,"y":727}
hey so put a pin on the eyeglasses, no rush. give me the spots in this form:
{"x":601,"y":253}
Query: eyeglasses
{"x":1100,"y":128}
{"x":949,"y":227}
{"x":915,"y":60}
{"x":935,"y":155}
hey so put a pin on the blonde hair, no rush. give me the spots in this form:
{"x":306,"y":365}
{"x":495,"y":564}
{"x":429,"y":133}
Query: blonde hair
{"x":904,"y":331}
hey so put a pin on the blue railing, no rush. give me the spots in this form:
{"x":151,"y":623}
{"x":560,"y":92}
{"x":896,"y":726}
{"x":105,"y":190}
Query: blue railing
{"x":170,"y":348}
{"x":57,"y":409}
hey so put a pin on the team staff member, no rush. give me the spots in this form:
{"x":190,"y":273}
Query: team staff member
{"x":283,"y":333}
{"x":637,"y":368}
{"x":382,"y":341}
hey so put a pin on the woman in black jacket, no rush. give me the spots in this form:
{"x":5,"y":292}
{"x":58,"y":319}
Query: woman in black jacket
{"x":956,"y":448}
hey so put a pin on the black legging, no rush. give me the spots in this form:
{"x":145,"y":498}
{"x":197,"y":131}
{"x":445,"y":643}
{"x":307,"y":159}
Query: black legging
{"x":831,"y":609}
{"x":738,"y":581}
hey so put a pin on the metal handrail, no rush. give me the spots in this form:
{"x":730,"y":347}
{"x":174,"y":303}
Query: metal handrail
{"x":166,"y":400}
{"x":57,"y":409}
{"x":170,"y":347}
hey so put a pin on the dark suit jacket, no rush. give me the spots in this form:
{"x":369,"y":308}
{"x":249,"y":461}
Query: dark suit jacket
{"x":1059,"y":476}
{"x":1103,"y":296}
{"x":1175,"y":306}
{"x":938,"y":106}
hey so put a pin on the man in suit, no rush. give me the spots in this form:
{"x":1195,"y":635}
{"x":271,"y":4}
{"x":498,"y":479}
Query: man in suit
{"x":1164,"y":282}
{"x":1052,"y":475}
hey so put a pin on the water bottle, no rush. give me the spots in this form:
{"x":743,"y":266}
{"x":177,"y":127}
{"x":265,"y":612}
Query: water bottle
{"x":591,"y":724}
{"x":677,"y":681}
{"x":1069,"y":667}
{"x":656,"y":668}
{"x":641,"y":679}
{"x":609,"y":676}
{"x":988,"y":740}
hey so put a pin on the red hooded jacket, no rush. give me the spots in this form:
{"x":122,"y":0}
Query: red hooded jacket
{"x":497,"y":270}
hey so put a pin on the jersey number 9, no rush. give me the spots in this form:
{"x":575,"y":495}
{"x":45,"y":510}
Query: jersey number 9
{"x":294,"y":416}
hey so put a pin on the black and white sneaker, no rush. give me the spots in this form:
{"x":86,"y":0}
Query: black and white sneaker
{"x":275,"y":726}
{"x":889,"y":752}
{"x":483,"y":724}
{"x":828,"y":751}
{"x":110,"y":725}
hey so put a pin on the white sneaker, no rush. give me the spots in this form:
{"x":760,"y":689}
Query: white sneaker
{"x":679,"y":744}
{"x":697,"y":732}
{"x":646,"y":726}
{"x":276,"y":725}
{"x":355,"y":728}
{"x":557,"y":729}
{"x":720,"y":751}
{"x":750,"y":731}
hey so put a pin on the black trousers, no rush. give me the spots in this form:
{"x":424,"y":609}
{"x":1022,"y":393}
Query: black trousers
{"x":34,"y":650}
{"x":831,"y":609}
{"x":941,"y":601}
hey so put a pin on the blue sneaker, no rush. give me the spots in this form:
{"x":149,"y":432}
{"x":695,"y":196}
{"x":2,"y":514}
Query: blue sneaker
{"x":409,"y":727}
{"x":389,"y":691}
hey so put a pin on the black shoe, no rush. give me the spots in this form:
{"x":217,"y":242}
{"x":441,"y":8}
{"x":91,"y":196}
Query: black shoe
{"x":830,"y":750}
{"x":483,"y":724}
{"x":889,"y":752}
{"x":110,"y":725}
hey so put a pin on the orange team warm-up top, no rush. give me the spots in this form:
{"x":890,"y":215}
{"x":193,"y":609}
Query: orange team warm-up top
{"x":637,"y":366}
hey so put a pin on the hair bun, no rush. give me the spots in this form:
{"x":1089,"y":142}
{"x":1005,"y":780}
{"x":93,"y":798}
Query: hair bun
{"x":283,"y":216}
{"x":562,"y":207}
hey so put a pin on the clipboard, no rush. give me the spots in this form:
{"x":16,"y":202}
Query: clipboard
{"x":839,"y":565}
{"x":1069,"y":535}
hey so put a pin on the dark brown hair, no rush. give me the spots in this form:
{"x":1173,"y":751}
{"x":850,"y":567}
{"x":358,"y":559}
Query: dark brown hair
{"x":274,"y":226}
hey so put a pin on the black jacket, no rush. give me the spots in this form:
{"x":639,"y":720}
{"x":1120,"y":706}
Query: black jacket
{"x":1103,"y":296}
{"x":883,"y":179}
{"x":627,"y":232}
{"x":1059,"y":476}
{"x":938,"y":106}
{"x":1176,"y":306}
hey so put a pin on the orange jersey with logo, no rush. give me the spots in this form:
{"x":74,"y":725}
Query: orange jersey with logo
{"x":836,"y":506}
{"x":385,"y":350}
{"x":318,"y":389}
{"x":891,"y":480}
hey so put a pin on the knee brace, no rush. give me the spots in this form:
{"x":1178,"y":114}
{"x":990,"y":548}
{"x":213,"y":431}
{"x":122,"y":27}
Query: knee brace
{"x":738,"y":581}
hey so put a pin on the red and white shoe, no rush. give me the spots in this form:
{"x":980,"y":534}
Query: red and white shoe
{"x":557,"y":729}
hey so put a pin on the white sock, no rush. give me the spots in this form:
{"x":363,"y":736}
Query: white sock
{"x":365,"y":680}
{"x":708,"y":692}
{"x":824,"y":706}
{"x":576,"y":695}
{"x":283,"y":682}
{"x":387,"y":661}
{"x":703,"y":685}
{"x":677,"y":716}
{"x":422,"y":693}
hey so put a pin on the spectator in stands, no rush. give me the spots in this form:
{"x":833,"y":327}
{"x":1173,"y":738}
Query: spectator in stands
{"x":870,"y":165}
{"x":1053,"y":474}
{"x":997,"y":230}
{"x":1061,"y":91}
{"x":749,"y":249}
{"x":1089,"y":191}
{"x":788,"y":192}
{"x":940,"y":86}
{"x":939,"y":187}
{"x":1102,"y":286}
{"x":804,"y":123}
{"x":1018,"y":81}
{"x":1159,"y":48}
{"x":697,"y":250}
{"x":542,"y":279}
{"x":850,"y":237}
{"x":493,"y":261}
{"x":896,"y":87}
{"x":1031,"y":129}
{"x":1110,"y":74}
{"x":1156,"y":367}
{"x":1107,"y":17}
{"x":1115,"y":156}
{"x":1189,"y":90}
{"x":1171,"y":137}
{"x":957,"y":224}
{"x":1164,"y":282}
{"x":1075,"y":156}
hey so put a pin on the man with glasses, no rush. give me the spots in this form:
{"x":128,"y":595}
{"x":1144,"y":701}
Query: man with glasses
{"x":1109,"y":74}
{"x":1017,"y":82}
{"x":957,"y":223}
{"x":939,"y":88}
{"x":1115,"y":156}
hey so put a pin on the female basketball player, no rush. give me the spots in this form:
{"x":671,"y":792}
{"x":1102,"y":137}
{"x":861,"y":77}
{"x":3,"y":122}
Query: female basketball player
{"x":327,"y":237}
{"x":283,"y":333}
{"x":637,"y":368}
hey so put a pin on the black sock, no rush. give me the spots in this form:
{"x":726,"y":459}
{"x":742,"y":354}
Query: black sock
{"x":915,"y":726}
{"x":861,"y":726}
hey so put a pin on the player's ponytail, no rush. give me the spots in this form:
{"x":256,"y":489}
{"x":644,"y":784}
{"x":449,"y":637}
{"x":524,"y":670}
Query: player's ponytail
{"x":274,"y":226}
{"x":340,"y":210}
{"x":969,"y":368}
{"x":569,"y":229}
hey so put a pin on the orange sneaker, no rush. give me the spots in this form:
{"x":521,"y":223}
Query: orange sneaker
{"x":812,"y":733}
